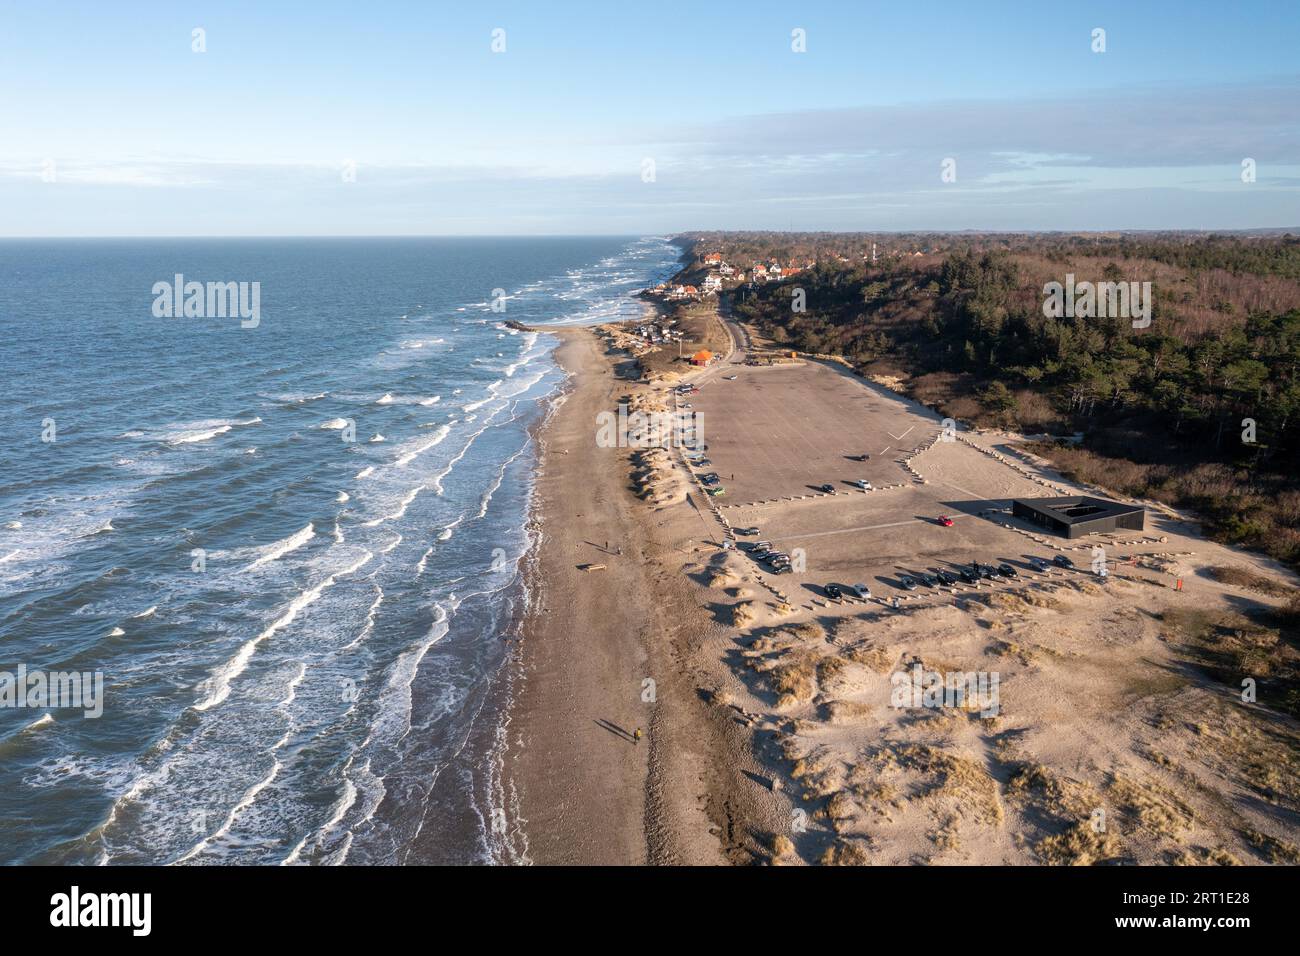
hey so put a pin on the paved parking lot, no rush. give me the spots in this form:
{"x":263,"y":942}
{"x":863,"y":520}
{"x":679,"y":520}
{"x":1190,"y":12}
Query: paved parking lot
{"x":785,"y":430}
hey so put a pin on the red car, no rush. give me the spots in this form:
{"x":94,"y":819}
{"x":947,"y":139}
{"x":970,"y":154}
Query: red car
{"x":945,"y":521}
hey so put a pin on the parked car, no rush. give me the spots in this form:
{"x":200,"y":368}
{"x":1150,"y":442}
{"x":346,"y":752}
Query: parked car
{"x":763,"y":546}
{"x":1062,"y":561}
{"x":781,"y":569}
{"x":986,"y":571}
{"x":729,"y":378}
{"x":945,"y":521}
{"x":833,"y":591}
{"x":863,"y":484}
{"x":969,"y":576}
{"x":947,"y":577}
{"x":907,"y":582}
{"x":746,"y":531}
{"x":929,"y":580}
{"x":828,"y":488}
{"x":715,"y":492}
{"x":1006,"y":570}
{"x":860,"y":591}
{"x":1038,"y":564}
{"x":859,"y":457}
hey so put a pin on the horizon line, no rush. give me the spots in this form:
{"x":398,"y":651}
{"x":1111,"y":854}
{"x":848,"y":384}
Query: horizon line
{"x":683,"y":234}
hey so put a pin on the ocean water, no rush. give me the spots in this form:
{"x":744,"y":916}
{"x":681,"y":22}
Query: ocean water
{"x":299,"y":636}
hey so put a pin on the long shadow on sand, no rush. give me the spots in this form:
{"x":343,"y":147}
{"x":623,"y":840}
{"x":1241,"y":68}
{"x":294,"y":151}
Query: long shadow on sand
{"x":616,"y":730}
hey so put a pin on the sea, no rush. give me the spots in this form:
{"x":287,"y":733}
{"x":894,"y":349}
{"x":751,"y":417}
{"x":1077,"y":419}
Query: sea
{"x":289,"y":551}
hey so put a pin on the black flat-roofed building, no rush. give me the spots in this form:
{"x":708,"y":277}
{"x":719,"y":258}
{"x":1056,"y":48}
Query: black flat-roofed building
{"x":1079,"y":515}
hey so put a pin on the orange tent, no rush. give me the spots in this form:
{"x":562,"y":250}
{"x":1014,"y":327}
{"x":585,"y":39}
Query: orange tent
{"x":702,"y":357}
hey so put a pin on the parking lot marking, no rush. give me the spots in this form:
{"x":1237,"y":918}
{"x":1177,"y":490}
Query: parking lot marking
{"x":870,"y":527}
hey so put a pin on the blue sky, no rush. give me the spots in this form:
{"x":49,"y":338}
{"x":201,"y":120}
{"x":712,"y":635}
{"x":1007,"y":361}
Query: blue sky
{"x":112,"y":125}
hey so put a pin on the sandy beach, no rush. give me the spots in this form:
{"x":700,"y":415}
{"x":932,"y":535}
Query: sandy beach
{"x":579,"y":774}
{"x":769,"y":735}
{"x":586,"y":791}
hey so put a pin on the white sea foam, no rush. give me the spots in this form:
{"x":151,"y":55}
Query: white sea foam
{"x":365,"y":472}
{"x":186,"y":438}
{"x":206,"y":430}
{"x":296,"y":398}
{"x":279,"y":549}
{"x":405,"y":503}
{"x":290,"y":695}
{"x":335,"y":424}
{"x":401,"y":508}
{"x":341,"y":807}
{"x":395,"y":697}
{"x":42,"y":721}
{"x":492,"y":393}
{"x":422,"y":447}
{"x":217,"y":687}
{"x":244,"y":803}
{"x":368,"y":627}
{"x":391,"y":399}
